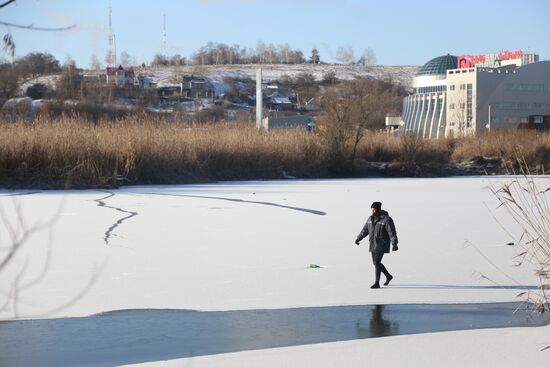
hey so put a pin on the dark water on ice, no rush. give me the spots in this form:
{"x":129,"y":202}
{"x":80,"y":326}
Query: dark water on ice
{"x":134,"y":336}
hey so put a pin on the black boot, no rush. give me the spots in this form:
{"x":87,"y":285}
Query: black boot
{"x":376,"y":285}
{"x":388,"y":279}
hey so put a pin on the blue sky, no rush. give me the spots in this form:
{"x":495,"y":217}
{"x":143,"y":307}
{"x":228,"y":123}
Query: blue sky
{"x":400,"y":32}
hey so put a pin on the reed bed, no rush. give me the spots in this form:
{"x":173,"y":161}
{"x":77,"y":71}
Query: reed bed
{"x":71,"y":151}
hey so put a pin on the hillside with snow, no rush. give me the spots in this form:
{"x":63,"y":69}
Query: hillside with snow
{"x":170,"y":75}
{"x":166,"y":75}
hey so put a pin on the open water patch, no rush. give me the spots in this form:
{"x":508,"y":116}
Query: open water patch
{"x":136,"y":336}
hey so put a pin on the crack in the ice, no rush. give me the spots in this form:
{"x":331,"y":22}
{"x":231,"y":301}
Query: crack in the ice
{"x":21,"y":193}
{"x":101,"y":203}
{"x":310,"y":211}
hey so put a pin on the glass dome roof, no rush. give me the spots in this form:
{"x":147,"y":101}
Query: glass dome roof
{"x":439,"y":65}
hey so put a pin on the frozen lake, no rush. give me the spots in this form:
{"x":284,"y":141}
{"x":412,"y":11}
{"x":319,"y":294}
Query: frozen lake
{"x":245,"y":246}
{"x":248,"y":245}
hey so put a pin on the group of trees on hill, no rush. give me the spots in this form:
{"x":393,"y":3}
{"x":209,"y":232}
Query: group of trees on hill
{"x":25,"y":68}
{"x":214,"y":53}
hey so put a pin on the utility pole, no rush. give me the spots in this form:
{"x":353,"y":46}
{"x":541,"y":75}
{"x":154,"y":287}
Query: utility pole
{"x":259,"y":99}
{"x":489,"y":123}
{"x":114,"y":48}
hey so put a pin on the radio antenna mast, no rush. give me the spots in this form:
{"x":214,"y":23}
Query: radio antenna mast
{"x":164,"y":44}
{"x":110,"y":59}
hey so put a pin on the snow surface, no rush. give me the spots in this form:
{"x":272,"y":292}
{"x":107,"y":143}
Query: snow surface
{"x":508,"y":347}
{"x":49,"y":80}
{"x":249,"y":245}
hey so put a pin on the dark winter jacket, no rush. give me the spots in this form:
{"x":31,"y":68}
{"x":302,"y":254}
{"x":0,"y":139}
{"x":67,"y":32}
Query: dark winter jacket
{"x":381,"y":232}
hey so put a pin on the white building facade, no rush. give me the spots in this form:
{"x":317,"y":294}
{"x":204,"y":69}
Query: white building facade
{"x":456,"y":96}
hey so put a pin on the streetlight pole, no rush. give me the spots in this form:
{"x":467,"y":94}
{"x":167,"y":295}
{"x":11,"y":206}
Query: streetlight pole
{"x":489,"y":122}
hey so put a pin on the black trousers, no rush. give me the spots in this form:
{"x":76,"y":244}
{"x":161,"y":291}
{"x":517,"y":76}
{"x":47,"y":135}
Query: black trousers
{"x":378,"y":266}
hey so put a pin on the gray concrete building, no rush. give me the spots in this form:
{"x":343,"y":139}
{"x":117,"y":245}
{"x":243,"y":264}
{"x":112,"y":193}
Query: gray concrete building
{"x":469,"y":95}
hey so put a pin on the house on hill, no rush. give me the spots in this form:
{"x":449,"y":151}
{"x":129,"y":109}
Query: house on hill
{"x":197,"y":87}
{"x":145,"y":82}
{"x":278,"y":101}
{"x":119,"y":76}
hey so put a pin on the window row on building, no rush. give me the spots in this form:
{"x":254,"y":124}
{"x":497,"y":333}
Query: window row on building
{"x":527,"y":87}
{"x":520,"y":106}
{"x":435,"y":89}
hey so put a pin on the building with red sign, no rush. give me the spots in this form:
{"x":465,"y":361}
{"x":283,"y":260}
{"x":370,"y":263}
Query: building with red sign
{"x":468,"y":95}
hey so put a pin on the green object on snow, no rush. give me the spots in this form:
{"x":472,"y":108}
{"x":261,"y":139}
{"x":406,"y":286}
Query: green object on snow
{"x":314,"y":266}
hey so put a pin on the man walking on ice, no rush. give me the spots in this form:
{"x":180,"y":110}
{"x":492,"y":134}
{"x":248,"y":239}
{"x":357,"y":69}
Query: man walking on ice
{"x":381,"y":232}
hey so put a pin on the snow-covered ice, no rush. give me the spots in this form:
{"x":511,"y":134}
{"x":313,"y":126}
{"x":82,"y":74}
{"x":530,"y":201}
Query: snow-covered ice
{"x":248,"y":245}
{"x":509,"y":347}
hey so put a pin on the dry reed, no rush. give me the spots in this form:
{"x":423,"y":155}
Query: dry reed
{"x":526,"y":202}
{"x":50,"y":152}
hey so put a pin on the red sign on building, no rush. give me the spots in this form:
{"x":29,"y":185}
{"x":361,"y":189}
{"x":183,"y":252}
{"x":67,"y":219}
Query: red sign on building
{"x":469,"y":61}
{"x":507,"y":55}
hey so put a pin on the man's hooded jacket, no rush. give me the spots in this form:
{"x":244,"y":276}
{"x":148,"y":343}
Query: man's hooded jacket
{"x":382,"y":232}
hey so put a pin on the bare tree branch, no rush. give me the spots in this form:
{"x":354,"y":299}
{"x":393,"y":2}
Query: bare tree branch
{"x":7,"y":3}
{"x":33,"y":28}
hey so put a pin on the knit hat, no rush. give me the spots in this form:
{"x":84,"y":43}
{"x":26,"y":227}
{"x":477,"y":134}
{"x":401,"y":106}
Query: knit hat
{"x":377,"y":205}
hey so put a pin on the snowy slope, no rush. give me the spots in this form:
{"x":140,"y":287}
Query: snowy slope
{"x":400,"y":74}
{"x":171,"y":75}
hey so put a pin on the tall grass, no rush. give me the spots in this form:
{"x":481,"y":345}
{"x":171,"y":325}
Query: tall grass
{"x":49,"y":152}
{"x":526,"y":202}
{"x":530,"y":147}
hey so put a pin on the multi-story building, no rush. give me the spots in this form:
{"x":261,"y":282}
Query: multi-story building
{"x":469,"y":95}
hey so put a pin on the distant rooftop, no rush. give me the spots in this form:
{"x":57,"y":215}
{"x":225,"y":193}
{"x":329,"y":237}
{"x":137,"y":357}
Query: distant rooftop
{"x":439,"y":65}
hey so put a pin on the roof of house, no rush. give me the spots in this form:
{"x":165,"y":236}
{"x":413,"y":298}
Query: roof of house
{"x":279,"y":98}
{"x":113,"y":71}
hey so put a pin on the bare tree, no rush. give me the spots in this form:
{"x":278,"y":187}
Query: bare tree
{"x":177,"y":60}
{"x":221,"y":54}
{"x":348,"y":112}
{"x":69,"y":84}
{"x":125,"y":59}
{"x":160,"y":60}
{"x":35,"y":64}
{"x":95,"y":64}
{"x":261,"y":51}
{"x":8,"y":81}
{"x":284,"y":53}
{"x":368,"y":57}
{"x":9,"y":43}
{"x":345,"y":55}
{"x":69,"y":63}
